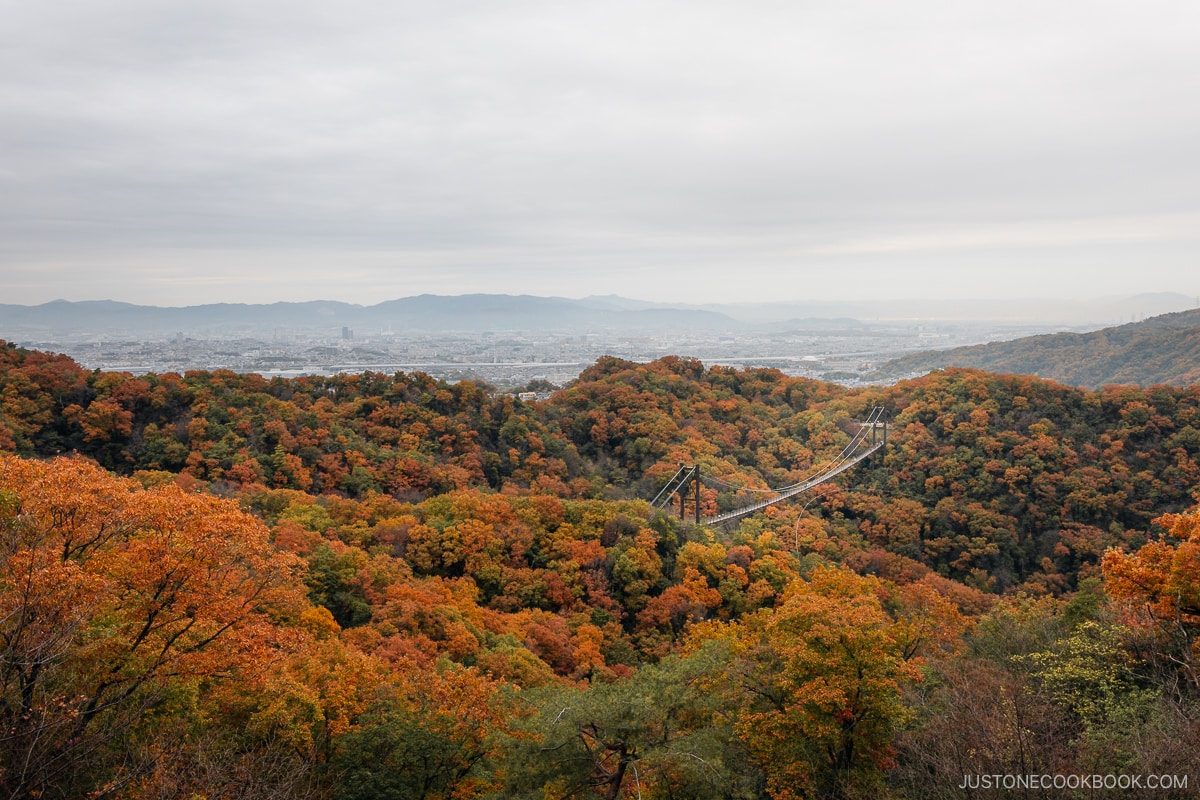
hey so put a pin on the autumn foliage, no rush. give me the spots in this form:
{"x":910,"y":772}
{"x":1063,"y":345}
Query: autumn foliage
{"x":115,"y":598}
{"x":376,"y":585}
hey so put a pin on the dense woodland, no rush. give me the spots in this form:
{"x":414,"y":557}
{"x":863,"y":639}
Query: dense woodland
{"x":384,"y":586}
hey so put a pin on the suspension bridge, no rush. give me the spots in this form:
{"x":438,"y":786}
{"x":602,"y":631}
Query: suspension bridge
{"x":870,"y":437}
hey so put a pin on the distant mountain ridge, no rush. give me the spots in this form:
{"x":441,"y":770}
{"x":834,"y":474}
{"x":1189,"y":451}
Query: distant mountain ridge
{"x":111,"y":320}
{"x":1159,"y":350}
{"x":433,"y":313}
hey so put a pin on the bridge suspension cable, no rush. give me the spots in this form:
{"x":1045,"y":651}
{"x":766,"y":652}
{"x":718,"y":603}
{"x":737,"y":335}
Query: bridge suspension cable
{"x":713,"y":480}
{"x":672,"y":486}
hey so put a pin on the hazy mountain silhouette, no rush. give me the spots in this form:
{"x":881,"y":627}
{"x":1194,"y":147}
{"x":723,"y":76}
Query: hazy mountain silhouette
{"x":432,"y":313}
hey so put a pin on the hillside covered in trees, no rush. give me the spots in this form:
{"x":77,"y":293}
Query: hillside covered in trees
{"x":384,"y":586}
{"x":1162,"y":349}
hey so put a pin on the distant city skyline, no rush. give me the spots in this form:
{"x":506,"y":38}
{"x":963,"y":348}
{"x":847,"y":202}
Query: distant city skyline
{"x":178,"y":154}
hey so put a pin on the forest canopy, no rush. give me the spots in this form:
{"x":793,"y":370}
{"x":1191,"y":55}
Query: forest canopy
{"x":376,"y":585}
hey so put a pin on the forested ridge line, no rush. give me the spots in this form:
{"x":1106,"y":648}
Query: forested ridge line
{"x":993,"y":480}
{"x":1162,"y":349}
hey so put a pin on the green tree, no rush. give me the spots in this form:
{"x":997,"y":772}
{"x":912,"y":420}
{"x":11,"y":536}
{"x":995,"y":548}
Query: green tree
{"x":658,"y":734}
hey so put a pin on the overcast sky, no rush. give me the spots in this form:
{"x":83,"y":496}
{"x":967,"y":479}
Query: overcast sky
{"x":174,"y":153}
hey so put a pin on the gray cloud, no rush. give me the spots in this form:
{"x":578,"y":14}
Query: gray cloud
{"x":179,"y":152}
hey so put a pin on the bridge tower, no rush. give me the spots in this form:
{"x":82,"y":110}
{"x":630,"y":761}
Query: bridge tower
{"x":689,"y":484}
{"x":879,"y":433}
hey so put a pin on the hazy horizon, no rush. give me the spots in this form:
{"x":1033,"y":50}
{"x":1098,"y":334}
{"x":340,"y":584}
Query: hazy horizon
{"x":605,"y":311}
{"x":1164,"y":297}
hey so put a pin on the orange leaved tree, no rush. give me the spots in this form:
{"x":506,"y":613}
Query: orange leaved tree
{"x":116,"y":603}
{"x":1159,"y":589}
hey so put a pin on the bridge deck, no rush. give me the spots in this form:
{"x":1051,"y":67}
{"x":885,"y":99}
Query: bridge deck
{"x":744,"y":511}
{"x":850,"y":455}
